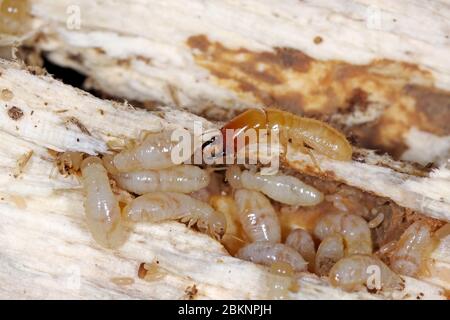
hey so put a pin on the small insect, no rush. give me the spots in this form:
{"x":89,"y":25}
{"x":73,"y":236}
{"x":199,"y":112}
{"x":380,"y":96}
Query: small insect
{"x":282,"y":188}
{"x":154,"y":153}
{"x":267,"y":253}
{"x":330,"y":251}
{"x":356,"y":233}
{"x":283,"y":281}
{"x":303,"y":242}
{"x":163,"y":206}
{"x":102,"y":208}
{"x":412,"y":250}
{"x":353,"y":228}
{"x":183,"y":178}
{"x":300,"y":131}
{"x":328,"y":224}
{"x":257,"y":216}
{"x":353,"y":273}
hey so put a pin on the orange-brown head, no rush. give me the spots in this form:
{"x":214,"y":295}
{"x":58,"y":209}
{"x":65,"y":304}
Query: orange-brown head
{"x":249,"y":119}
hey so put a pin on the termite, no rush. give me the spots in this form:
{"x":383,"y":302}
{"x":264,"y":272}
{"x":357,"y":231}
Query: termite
{"x":299,"y":131}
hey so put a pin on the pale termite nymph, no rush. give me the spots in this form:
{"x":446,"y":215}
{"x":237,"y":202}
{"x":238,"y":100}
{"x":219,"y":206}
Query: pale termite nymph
{"x":182,"y":178}
{"x":102,"y":208}
{"x":282,"y":188}
{"x":258,"y":218}
{"x":357,"y":272}
{"x":164,"y":206}
{"x":267,"y":253}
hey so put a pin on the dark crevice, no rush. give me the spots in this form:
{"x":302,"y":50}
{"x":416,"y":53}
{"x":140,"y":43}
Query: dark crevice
{"x":66,"y":75}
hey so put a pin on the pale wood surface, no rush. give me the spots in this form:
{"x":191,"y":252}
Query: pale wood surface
{"x":46,"y":250}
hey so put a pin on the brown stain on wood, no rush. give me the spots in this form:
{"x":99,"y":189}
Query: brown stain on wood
{"x":433,"y":105}
{"x":318,"y":40}
{"x":15,"y":113}
{"x":191,"y":292}
{"x":288,"y":79}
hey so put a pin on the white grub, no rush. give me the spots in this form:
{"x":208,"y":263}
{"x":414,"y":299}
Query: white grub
{"x":183,"y":178}
{"x":356,"y":233}
{"x":328,"y":224}
{"x":163,"y":206}
{"x":214,"y":188}
{"x":330,"y":251}
{"x":412,"y":250}
{"x":257,"y":216}
{"x":233,"y":176}
{"x":387,"y":248}
{"x":282,"y":281}
{"x":353,"y":228}
{"x":282,"y":188}
{"x":102,"y":208}
{"x":267,"y":253}
{"x":303,"y":242}
{"x":154,"y":153}
{"x":358,"y":271}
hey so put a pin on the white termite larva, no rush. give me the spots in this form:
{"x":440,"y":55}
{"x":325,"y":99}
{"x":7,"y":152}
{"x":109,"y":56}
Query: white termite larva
{"x":303,"y":242}
{"x":281,"y":281}
{"x":267,"y":253}
{"x":357,"y":236}
{"x":102,"y":208}
{"x":163,"y":206}
{"x":282,"y":188}
{"x":330,"y":251}
{"x":183,"y":178}
{"x":233,"y":176}
{"x":258,"y":218}
{"x":154,"y":153}
{"x":412,"y":250}
{"x":353,"y":273}
{"x":328,"y":224}
{"x":353,"y":228}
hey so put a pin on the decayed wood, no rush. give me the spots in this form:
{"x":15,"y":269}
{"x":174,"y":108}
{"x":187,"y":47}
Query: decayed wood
{"x":46,"y":249}
{"x":382,"y":66}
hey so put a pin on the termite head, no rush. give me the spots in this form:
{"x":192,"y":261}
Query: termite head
{"x":224,"y":143}
{"x":215,"y":225}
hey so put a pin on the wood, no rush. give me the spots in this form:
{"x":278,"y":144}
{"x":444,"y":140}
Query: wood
{"x":47,"y":252}
{"x":377,"y":69}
